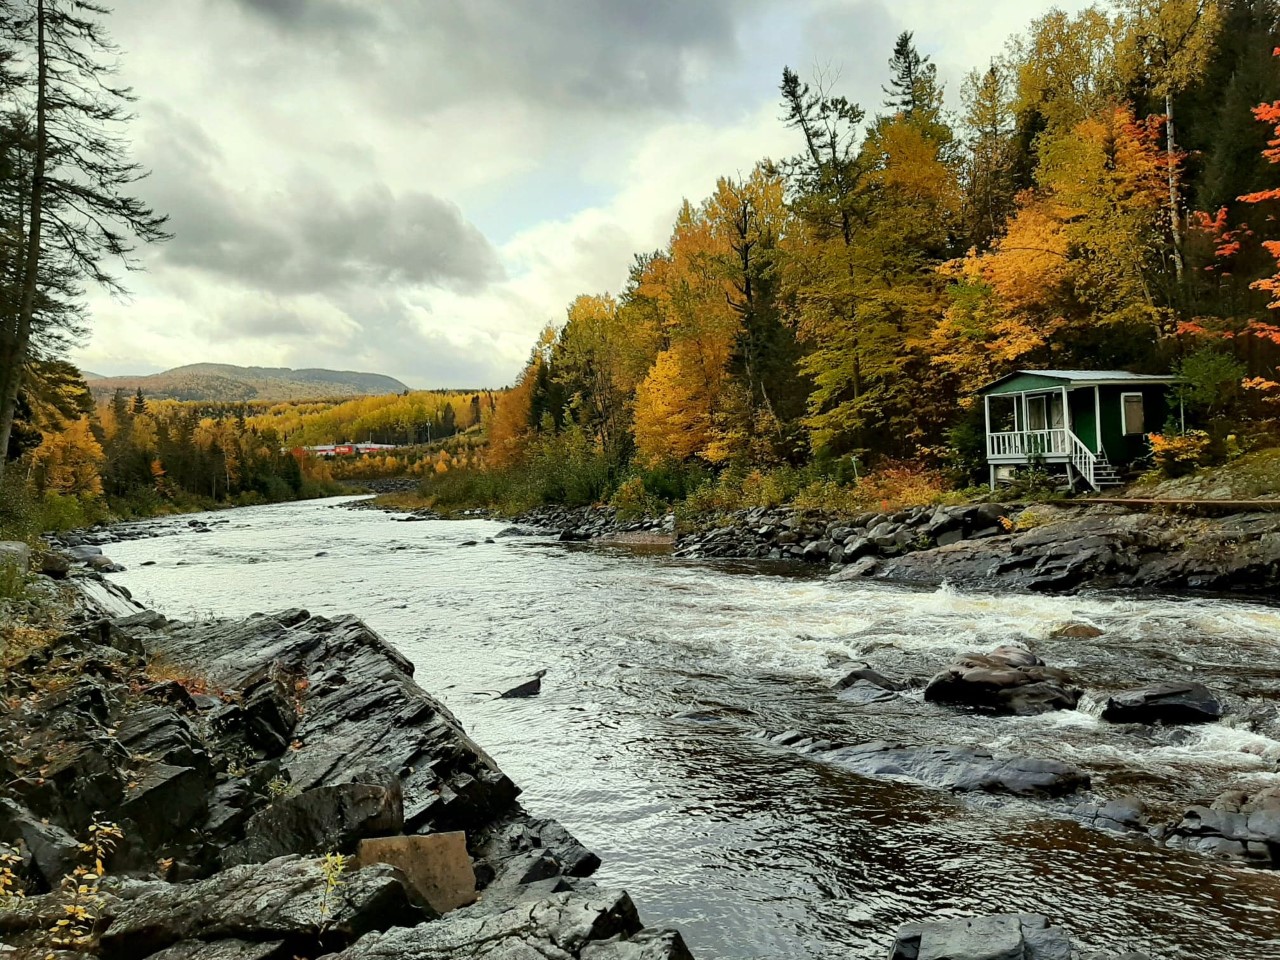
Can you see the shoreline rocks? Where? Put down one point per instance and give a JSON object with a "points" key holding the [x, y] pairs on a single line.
{"points": [[1041, 548], [238, 758]]}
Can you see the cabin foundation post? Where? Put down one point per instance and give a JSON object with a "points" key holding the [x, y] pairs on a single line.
{"points": [[992, 467]]}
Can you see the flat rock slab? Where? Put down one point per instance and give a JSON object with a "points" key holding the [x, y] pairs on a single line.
{"points": [[1023, 936], [284, 900], [960, 769], [600, 925], [436, 867], [224, 950]]}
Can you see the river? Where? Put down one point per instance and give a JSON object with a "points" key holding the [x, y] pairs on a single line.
{"points": [[660, 673]]}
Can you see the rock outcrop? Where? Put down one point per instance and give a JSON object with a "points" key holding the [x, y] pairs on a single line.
{"points": [[233, 754]]}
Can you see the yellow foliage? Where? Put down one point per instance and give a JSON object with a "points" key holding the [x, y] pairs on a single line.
{"points": [[69, 460]]}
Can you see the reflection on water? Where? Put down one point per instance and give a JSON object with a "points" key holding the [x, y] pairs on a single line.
{"points": [[659, 670]]}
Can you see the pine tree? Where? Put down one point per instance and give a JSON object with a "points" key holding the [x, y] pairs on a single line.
{"points": [[913, 77], [75, 216]]}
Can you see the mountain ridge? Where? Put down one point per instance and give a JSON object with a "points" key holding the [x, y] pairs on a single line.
{"points": [[225, 382]]}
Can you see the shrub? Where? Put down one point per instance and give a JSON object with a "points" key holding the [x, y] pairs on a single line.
{"points": [[1178, 454]]}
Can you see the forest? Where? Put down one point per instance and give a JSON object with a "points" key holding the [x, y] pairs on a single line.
{"points": [[1106, 198]]}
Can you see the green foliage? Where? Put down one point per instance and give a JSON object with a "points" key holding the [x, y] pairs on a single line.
{"points": [[1212, 381]]}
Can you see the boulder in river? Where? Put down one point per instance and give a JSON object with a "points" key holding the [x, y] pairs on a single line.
{"points": [[1164, 703], [1008, 680], [525, 688], [1009, 936], [961, 769], [1000, 937], [1238, 826]]}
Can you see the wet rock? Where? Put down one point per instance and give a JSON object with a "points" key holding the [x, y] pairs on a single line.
{"points": [[1077, 630], [103, 564], [359, 709], [866, 673], [322, 819], [162, 801], [1123, 815], [530, 849], [53, 853], [526, 688], [1013, 936], [224, 950], [1009, 680], [280, 900], [960, 769], [1238, 825], [562, 925], [1164, 703], [645, 945]]}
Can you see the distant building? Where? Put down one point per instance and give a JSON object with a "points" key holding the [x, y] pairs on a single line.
{"points": [[347, 449]]}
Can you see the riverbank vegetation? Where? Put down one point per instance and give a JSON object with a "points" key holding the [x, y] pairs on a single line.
{"points": [[74, 462], [815, 328]]}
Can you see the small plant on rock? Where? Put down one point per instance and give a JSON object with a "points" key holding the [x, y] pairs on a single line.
{"points": [[10, 884], [84, 900], [277, 788], [332, 867]]}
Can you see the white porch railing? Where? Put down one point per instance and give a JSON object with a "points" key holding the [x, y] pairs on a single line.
{"points": [[1029, 443], [1083, 459]]}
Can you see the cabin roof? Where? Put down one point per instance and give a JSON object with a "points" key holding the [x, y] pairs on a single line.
{"points": [[1083, 378]]}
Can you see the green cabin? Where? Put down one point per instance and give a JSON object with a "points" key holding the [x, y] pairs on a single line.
{"points": [[1091, 423]]}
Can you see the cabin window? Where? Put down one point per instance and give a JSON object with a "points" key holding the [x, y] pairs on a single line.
{"points": [[1134, 419]]}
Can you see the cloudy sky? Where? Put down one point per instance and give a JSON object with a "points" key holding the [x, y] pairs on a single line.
{"points": [[415, 187]]}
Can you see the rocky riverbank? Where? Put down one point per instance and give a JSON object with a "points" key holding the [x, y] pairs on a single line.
{"points": [[274, 787], [1046, 548]]}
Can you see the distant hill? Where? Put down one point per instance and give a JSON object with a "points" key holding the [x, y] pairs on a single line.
{"points": [[223, 382]]}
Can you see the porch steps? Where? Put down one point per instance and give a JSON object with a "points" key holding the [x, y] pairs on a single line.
{"points": [[1104, 473]]}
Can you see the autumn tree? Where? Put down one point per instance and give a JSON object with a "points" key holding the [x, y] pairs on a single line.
{"points": [[75, 216], [1166, 47]]}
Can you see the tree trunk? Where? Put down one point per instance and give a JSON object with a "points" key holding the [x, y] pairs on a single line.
{"points": [[15, 353], [1175, 218]]}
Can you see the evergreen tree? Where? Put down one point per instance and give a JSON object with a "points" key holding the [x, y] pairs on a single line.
{"points": [[72, 176]]}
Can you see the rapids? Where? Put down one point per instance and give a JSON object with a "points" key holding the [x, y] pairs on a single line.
{"points": [[659, 672]]}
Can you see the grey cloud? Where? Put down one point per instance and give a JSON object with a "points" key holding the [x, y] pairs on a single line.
{"points": [[308, 238], [592, 54]]}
